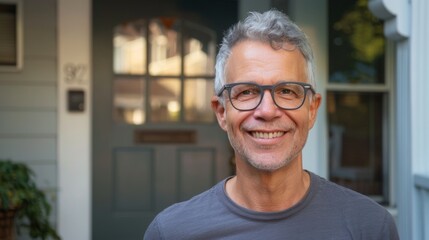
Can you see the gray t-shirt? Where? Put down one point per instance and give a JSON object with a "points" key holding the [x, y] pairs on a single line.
{"points": [[328, 211]]}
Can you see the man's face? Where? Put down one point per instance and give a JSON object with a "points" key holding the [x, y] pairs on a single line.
{"points": [[268, 138]]}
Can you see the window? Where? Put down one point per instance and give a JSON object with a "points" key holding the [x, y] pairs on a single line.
{"points": [[10, 35], [358, 100], [164, 71]]}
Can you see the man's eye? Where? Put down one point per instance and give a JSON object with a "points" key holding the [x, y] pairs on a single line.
{"points": [[247, 92], [286, 91]]}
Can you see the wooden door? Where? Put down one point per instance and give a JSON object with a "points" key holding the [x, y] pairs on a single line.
{"points": [[147, 154]]}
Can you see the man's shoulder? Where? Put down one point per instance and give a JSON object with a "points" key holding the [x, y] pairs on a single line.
{"points": [[342, 196], [357, 211], [200, 203], [188, 217]]}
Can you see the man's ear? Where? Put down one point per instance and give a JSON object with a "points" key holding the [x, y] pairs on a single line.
{"points": [[314, 106], [220, 112]]}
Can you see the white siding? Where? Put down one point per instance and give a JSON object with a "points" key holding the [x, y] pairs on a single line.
{"points": [[419, 86], [74, 129], [28, 97], [28, 100]]}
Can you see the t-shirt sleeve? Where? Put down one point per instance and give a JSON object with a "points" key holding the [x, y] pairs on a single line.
{"points": [[153, 232], [389, 230]]}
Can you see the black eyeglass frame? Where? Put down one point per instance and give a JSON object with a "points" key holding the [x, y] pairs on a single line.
{"points": [[228, 87]]}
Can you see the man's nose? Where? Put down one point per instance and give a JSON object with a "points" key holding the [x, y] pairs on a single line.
{"points": [[267, 109]]}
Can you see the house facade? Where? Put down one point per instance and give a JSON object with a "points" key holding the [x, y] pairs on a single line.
{"points": [[113, 143]]}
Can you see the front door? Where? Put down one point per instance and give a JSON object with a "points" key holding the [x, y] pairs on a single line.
{"points": [[155, 139]]}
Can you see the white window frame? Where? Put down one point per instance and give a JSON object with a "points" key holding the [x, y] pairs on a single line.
{"points": [[387, 88]]}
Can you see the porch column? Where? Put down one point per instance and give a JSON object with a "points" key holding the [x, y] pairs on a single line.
{"points": [[419, 76], [74, 120]]}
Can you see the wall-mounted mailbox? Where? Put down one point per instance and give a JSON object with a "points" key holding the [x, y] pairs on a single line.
{"points": [[76, 100]]}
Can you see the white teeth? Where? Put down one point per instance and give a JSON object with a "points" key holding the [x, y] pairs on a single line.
{"points": [[266, 135]]}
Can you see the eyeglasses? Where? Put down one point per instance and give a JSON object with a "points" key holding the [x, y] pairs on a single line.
{"points": [[246, 96]]}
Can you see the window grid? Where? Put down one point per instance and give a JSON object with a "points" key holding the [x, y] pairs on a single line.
{"points": [[185, 29]]}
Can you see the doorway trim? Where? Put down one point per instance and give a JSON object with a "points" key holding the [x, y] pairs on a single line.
{"points": [[74, 127]]}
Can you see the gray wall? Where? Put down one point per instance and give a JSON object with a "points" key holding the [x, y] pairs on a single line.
{"points": [[28, 99]]}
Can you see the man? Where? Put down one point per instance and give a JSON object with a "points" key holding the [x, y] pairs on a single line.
{"points": [[266, 102]]}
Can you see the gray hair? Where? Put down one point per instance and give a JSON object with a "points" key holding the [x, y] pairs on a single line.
{"points": [[271, 27]]}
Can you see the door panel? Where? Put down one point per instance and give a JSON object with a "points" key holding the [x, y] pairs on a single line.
{"points": [[133, 174], [196, 171]]}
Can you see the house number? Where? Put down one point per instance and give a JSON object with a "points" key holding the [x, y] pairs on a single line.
{"points": [[75, 73]]}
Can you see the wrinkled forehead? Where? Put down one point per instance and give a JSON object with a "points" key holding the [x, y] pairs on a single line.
{"points": [[255, 60]]}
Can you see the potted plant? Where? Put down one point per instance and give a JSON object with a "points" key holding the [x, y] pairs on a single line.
{"points": [[23, 202]]}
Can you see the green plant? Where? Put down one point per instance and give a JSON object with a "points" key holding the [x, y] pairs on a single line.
{"points": [[18, 192]]}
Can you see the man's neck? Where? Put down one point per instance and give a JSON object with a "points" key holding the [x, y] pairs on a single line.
{"points": [[269, 191]]}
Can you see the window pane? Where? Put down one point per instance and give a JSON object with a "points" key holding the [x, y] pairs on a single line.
{"points": [[129, 55], [164, 43], [356, 43], [165, 100], [8, 40], [200, 48], [197, 97], [153, 49], [129, 101], [355, 141]]}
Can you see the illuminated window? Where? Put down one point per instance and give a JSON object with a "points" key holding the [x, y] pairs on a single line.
{"points": [[164, 71]]}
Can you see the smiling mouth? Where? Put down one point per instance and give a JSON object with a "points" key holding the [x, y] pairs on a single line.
{"points": [[267, 135]]}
